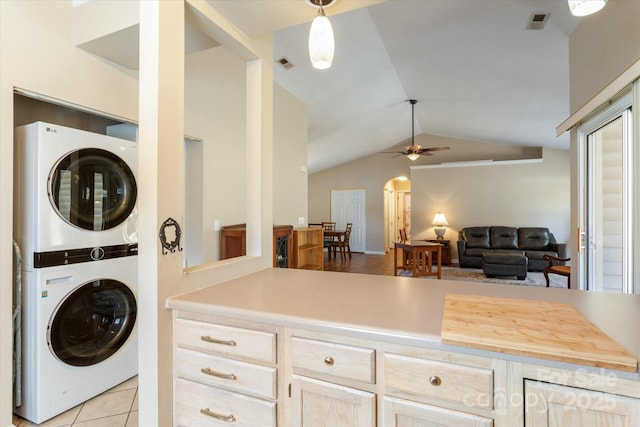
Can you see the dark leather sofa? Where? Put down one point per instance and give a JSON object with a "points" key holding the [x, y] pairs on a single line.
{"points": [[532, 242]]}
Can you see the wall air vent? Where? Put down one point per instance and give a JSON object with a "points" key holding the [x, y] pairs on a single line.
{"points": [[284, 63], [537, 21]]}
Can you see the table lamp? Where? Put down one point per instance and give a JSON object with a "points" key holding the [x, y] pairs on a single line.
{"points": [[440, 221]]}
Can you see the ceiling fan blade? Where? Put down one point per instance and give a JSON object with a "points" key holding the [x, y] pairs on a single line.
{"points": [[425, 150]]}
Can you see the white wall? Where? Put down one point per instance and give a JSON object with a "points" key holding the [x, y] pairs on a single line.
{"points": [[601, 48], [216, 114], [289, 155]]}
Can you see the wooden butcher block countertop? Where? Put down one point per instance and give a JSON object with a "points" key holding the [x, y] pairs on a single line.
{"points": [[539, 329]]}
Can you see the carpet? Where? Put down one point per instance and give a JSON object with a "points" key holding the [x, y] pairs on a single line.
{"points": [[534, 278]]}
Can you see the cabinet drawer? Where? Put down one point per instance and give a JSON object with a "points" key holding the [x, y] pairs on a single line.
{"points": [[238, 342], [259, 381], [197, 404], [338, 360], [441, 380]]}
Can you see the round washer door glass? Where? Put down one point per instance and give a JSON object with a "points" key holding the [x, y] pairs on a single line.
{"points": [[92, 322], [92, 189]]}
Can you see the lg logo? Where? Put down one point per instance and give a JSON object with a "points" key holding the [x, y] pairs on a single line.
{"points": [[52, 130]]}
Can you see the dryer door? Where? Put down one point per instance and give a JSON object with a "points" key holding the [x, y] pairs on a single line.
{"points": [[92, 189], [92, 322]]}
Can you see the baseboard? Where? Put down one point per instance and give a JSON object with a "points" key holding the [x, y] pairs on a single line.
{"points": [[374, 253]]}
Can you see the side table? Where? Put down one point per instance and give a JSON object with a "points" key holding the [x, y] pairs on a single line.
{"points": [[446, 251]]}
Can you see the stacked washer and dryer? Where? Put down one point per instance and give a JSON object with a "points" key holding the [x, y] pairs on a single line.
{"points": [[75, 224]]}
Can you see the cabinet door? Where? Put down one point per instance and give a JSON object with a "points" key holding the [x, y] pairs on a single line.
{"points": [[321, 404], [555, 405], [403, 413]]}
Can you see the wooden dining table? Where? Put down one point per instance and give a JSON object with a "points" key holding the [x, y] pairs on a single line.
{"points": [[421, 258]]}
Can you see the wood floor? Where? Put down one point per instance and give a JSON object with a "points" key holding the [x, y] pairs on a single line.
{"points": [[360, 263]]}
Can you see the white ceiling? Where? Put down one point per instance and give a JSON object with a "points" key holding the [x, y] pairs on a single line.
{"points": [[473, 66]]}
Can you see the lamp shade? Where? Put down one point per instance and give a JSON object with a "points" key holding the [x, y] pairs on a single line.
{"points": [[585, 7], [439, 220], [321, 43], [413, 156]]}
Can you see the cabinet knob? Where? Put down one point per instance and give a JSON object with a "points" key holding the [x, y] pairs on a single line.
{"points": [[328, 361], [434, 380]]}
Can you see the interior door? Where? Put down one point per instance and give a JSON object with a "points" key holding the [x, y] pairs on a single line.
{"points": [[349, 206]]}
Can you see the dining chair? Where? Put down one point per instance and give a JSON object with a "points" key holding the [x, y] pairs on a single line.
{"points": [[328, 240], [342, 244], [554, 268], [403, 234]]}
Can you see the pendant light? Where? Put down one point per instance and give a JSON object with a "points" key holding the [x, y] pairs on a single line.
{"points": [[585, 7], [321, 43]]}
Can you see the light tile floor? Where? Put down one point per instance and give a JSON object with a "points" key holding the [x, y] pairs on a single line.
{"points": [[117, 407]]}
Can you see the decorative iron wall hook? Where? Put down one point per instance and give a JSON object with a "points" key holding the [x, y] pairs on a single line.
{"points": [[172, 228]]}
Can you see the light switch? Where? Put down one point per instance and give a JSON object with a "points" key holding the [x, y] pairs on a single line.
{"points": [[300, 220], [216, 225]]}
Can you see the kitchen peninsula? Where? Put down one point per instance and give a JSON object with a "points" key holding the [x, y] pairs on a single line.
{"points": [[285, 347]]}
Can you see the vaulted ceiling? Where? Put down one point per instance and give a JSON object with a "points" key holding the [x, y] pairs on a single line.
{"points": [[475, 68]]}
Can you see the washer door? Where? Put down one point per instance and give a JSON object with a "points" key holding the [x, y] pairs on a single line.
{"points": [[92, 189], [92, 322]]}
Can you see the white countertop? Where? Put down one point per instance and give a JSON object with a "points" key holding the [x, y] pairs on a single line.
{"points": [[405, 310]]}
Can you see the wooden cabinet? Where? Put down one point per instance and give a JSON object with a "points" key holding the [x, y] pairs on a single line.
{"points": [[308, 249], [282, 246], [553, 405], [316, 398], [233, 243], [259, 365], [445, 253], [319, 404], [405, 413], [224, 374]]}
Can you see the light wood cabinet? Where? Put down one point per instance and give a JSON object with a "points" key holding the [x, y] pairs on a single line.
{"points": [[320, 404], [405, 413], [224, 374], [308, 249], [553, 405]]}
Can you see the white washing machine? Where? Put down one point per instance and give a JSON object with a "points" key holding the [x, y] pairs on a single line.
{"points": [[75, 223], [75, 190], [79, 334]]}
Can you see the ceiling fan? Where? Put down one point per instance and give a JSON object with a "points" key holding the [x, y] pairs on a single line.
{"points": [[413, 151]]}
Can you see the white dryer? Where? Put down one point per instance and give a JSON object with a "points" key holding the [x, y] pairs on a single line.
{"points": [[75, 190], [79, 333]]}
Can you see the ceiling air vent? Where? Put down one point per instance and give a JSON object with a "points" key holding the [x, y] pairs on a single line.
{"points": [[537, 21], [284, 63]]}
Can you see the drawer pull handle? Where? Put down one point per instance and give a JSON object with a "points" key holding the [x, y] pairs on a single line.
{"points": [[222, 375], [228, 418], [328, 361], [435, 381], [207, 338]]}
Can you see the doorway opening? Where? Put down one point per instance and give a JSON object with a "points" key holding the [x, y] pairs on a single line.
{"points": [[397, 210]]}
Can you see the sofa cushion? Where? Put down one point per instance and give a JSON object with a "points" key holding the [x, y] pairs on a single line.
{"points": [[476, 237], [504, 238], [533, 238]]}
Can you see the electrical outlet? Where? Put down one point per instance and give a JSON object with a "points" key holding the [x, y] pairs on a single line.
{"points": [[300, 220]]}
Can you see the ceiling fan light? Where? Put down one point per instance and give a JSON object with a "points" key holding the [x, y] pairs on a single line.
{"points": [[413, 156], [321, 42], [585, 7]]}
